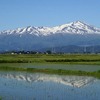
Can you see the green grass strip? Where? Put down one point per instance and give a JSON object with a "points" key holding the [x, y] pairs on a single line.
{"points": [[90, 59]]}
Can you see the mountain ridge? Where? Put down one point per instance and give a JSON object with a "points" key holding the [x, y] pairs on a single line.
{"points": [[76, 27], [36, 38]]}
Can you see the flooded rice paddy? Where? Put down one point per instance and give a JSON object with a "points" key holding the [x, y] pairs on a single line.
{"points": [[39, 86], [88, 68]]}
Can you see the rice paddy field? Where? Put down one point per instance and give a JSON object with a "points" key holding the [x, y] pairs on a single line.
{"points": [[75, 64], [90, 59], [49, 76]]}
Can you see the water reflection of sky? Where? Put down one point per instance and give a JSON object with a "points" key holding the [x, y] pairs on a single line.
{"points": [[64, 66], [47, 87]]}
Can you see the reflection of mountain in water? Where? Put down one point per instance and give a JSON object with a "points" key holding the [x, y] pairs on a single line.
{"points": [[76, 81]]}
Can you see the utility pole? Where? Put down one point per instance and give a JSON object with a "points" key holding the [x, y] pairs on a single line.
{"points": [[85, 49]]}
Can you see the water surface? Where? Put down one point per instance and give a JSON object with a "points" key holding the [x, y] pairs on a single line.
{"points": [[88, 68], [38, 86]]}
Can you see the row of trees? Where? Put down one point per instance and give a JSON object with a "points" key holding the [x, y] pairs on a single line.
{"points": [[46, 52], [27, 52]]}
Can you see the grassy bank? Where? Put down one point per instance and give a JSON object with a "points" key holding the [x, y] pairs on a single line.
{"points": [[91, 59], [52, 71]]}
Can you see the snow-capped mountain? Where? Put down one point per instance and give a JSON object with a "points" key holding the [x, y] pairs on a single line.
{"points": [[77, 27], [43, 38]]}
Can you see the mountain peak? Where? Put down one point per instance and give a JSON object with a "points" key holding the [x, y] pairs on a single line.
{"points": [[78, 21], [77, 27]]}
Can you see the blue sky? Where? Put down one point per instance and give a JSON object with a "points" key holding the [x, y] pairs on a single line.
{"points": [[22, 13]]}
